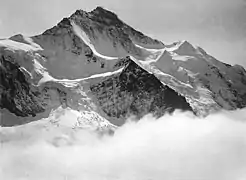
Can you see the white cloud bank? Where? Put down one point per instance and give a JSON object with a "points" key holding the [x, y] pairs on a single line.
{"points": [[178, 147]]}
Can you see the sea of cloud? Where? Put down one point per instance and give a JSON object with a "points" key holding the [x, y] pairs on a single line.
{"points": [[174, 147]]}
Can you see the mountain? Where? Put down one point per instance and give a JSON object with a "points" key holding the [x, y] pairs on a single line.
{"points": [[101, 71]]}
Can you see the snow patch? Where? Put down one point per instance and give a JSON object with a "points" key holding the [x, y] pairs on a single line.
{"points": [[82, 35], [104, 74], [70, 118], [32, 43], [13, 45], [152, 55], [75, 82]]}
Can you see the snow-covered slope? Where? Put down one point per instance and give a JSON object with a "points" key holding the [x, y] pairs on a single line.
{"points": [[201, 75], [93, 65]]}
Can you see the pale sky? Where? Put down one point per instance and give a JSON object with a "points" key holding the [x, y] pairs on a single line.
{"points": [[218, 26]]}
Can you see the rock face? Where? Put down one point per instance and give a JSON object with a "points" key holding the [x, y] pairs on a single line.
{"points": [[103, 71], [16, 93], [129, 91], [135, 91]]}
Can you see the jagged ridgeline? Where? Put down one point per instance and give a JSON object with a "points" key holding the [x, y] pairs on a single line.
{"points": [[103, 70]]}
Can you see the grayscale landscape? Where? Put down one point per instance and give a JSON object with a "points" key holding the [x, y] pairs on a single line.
{"points": [[94, 97]]}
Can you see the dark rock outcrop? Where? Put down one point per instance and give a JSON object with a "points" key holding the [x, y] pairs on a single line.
{"points": [[136, 92]]}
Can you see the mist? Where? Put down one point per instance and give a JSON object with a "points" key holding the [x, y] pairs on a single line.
{"points": [[174, 147]]}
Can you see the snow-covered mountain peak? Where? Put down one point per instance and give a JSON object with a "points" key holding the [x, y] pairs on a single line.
{"points": [[95, 64], [182, 48], [106, 16]]}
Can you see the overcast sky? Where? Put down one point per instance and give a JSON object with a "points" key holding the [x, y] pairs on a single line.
{"points": [[219, 26]]}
